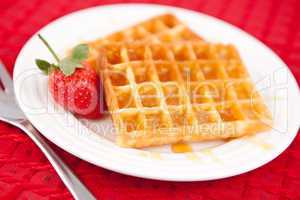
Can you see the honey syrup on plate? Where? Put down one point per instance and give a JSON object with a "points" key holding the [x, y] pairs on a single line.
{"points": [[181, 148]]}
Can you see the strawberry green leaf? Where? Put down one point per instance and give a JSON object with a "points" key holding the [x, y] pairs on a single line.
{"points": [[68, 66], [80, 52], [43, 65]]}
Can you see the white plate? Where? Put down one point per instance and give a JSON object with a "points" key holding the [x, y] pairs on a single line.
{"points": [[272, 76]]}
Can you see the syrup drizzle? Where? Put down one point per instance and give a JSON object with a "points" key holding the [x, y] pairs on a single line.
{"points": [[181, 148]]}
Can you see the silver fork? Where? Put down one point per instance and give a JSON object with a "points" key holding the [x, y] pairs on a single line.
{"points": [[11, 113]]}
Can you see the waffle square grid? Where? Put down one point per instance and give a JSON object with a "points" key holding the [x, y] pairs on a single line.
{"points": [[160, 93], [165, 84]]}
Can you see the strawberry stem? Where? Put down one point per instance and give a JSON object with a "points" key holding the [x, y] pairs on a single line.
{"points": [[49, 48]]}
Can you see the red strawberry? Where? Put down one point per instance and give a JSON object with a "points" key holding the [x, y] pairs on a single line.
{"points": [[78, 93], [72, 82]]}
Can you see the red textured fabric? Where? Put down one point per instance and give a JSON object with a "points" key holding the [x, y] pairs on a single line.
{"points": [[26, 174]]}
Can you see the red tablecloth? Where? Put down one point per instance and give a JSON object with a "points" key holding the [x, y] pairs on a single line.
{"points": [[26, 174]]}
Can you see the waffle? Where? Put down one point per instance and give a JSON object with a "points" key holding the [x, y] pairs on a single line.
{"points": [[162, 28], [166, 28], [162, 93]]}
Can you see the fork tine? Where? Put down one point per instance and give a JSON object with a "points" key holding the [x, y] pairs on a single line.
{"points": [[1, 86], [5, 78]]}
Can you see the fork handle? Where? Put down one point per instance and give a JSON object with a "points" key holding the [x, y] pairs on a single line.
{"points": [[77, 189]]}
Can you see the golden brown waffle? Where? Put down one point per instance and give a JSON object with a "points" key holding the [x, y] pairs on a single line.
{"points": [[162, 28], [165, 28], [186, 91]]}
